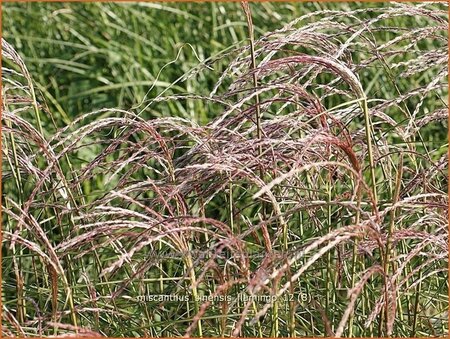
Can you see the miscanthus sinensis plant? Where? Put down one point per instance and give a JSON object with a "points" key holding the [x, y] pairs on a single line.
{"points": [[313, 203]]}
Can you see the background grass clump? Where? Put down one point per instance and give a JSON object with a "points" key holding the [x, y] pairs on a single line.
{"points": [[225, 169]]}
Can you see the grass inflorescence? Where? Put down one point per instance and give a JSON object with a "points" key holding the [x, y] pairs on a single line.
{"points": [[302, 193]]}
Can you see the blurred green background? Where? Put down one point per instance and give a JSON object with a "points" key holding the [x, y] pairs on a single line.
{"points": [[86, 56]]}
